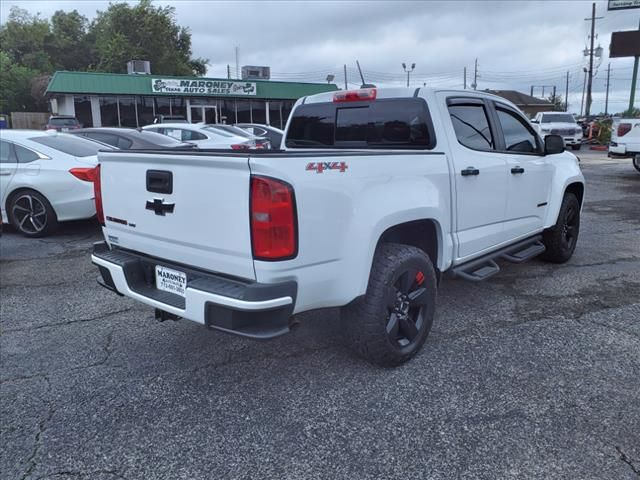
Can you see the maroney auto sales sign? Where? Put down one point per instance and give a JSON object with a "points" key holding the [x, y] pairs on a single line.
{"points": [[202, 87]]}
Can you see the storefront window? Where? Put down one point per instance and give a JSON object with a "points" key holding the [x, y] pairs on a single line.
{"points": [[163, 105], [128, 112], [243, 109], [109, 111], [179, 107], [227, 111], [258, 111], [145, 110], [83, 111], [275, 114]]}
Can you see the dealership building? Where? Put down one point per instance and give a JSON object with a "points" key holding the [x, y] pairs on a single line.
{"points": [[134, 100]]}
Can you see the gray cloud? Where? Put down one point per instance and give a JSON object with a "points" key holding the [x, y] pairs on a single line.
{"points": [[517, 43]]}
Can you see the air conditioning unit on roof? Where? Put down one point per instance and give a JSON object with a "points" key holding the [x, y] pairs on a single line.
{"points": [[139, 67], [251, 72]]}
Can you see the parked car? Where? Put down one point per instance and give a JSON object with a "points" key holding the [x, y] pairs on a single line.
{"points": [[272, 133], [559, 123], [130, 138], [45, 179], [258, 142], [364, 211], [625, 139], [62, 123], [169, 119], [202, 135]]}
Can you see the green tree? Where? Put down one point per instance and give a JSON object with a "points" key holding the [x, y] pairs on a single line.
{"points": [[143, 32], [24, 37], [69, 46], [15, 85], [558, 103]]}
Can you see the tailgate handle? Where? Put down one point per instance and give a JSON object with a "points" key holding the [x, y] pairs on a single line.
{"points": [[159, 181]]}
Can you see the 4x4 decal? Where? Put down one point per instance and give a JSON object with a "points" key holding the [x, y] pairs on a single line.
{"points": [[320, 167]]}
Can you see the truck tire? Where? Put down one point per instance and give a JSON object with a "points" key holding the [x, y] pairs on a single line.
{"points": [[391, 323], [560, 240], [636, 161], [31, 214]]}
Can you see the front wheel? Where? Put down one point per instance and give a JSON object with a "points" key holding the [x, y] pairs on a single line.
{"points": [[31, 214], [560, 240], [391, 323], [636, 161]]}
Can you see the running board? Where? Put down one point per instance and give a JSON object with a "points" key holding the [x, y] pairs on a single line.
{"points": [[486, 266]]}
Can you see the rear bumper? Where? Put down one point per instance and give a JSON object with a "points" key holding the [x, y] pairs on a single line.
{"points": [[617, 148], [248, 309]]}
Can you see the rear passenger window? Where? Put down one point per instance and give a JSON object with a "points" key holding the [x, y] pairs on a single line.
{"points": [[397, 123], [25, 155], [124, 143], [5, 152], [471, 125], [518, 137]]}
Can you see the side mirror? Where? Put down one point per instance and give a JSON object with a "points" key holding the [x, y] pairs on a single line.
{"points": [[533, 120], [553, 144]]}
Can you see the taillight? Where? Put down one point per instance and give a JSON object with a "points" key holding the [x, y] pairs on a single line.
{"points": [[273, 219], [97, 193], [84, 174], [240, 146], [623, 129], [355, 95]]}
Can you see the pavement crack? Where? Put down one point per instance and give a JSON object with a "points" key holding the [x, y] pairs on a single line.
{"points": [[70, 322], [628, 461], [42, 427]]}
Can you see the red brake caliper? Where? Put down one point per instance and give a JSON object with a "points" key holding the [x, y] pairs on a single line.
{"points": [[419, 278]]}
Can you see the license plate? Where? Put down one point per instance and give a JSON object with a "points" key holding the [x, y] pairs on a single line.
{"points": [[171, 280], [64, 129]]}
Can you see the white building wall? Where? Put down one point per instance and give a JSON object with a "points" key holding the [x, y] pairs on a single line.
{"points": [[95, 112]]}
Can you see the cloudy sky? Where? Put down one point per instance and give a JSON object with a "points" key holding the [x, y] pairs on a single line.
{"points": [[517, 43]]}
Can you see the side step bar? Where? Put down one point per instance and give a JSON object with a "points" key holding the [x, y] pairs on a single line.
{"points": [[486, 266]]}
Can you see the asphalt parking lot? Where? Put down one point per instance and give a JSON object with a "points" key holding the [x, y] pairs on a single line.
{"points": [[532, 374]]}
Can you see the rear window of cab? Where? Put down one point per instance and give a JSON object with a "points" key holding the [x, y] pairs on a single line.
{"points": [[393, 123]]}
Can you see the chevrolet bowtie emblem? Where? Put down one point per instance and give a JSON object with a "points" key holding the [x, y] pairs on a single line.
{"points": [[159, 207]]}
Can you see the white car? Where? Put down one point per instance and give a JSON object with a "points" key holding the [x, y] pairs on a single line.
{"points": [[363, 210], [202, 135], [559, 123], [45, 178]]}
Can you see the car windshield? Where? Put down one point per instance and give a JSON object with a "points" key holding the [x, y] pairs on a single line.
{"points": [[76, 146], [558, 118], [63, 122]]}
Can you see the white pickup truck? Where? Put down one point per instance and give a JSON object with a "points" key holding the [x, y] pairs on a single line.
{"points": [[625, 139], [375, 194], [559, 123]]}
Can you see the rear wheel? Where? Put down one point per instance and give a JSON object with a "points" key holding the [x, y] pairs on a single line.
{"points": [[636, 161], [391, 323], [560, 240], [31, 214]]}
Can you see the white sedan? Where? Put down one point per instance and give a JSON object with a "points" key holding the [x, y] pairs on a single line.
{"points": [[45, 178], [202, 135]]}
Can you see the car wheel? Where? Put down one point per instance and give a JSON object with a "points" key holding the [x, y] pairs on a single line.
{"points": [[391, 323], [31, 214], [560, 240], [575, 147], [636, 161]]}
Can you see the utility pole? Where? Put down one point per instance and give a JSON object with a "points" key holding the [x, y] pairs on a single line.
{"points": [[465, 78], [566, 94], [634, 77], [346, 86], [404, 67], [475, 75], [606, 98], [237, 62], [584, 86], [531, 92], [554, 98], [593, 19], [228, 71]]}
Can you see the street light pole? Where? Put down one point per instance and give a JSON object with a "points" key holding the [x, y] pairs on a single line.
{"points": [[404, 67]]}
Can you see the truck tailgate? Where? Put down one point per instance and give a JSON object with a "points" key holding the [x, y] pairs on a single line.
{"points": [[191, 209]]}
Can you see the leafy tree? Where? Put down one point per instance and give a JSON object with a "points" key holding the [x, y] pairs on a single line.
{"points": [[24, 37], [15, 85], [143, 32], [558, 104], [69, 46]]}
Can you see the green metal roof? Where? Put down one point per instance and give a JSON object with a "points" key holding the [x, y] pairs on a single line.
{"points": [[125, 84]]}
